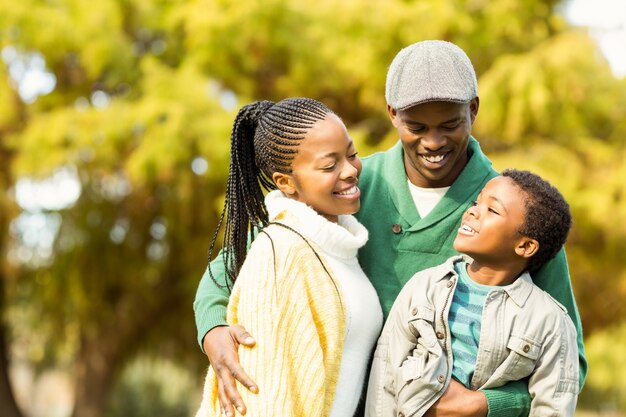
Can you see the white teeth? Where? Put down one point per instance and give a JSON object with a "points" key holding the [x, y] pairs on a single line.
{"points": [[468, 229], [352, 190], [433, 158]]}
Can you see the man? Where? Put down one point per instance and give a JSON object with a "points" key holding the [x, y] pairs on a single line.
{"points": [[413, 197]]}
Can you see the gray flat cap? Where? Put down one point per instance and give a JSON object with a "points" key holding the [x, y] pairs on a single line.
{"points": [[430, 71]]}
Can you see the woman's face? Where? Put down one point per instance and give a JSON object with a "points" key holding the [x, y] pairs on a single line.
{"points": [[325, 170]]}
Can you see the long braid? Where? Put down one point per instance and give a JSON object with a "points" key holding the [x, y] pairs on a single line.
{"points": [[264, 140]]}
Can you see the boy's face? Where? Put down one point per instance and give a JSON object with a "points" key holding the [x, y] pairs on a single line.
{"points": [[489, 231]]}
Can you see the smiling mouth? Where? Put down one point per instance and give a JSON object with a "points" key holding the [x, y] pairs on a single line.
{"points": [[434, 159], [350, 191], [465, 228]]}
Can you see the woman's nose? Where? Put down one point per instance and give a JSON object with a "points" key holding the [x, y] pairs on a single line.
{"points": [[349, 171]]}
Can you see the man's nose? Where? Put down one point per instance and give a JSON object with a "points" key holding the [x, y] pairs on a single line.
{"points": [[434, 140]]}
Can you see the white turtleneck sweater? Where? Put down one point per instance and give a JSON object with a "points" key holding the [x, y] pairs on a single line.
{"points": [[340, 243]]}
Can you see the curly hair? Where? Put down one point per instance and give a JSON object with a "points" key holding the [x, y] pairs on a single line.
{"points": [[264, 140], [548, 218]]}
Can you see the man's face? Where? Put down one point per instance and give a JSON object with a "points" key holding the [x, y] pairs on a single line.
{"points": [[434, 137]]}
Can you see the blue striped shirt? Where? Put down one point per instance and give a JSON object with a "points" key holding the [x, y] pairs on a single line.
{"points": [[464, 321]]}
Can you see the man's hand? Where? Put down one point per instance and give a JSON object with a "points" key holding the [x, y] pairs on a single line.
{"points": [[221, 344], [459, 401]]}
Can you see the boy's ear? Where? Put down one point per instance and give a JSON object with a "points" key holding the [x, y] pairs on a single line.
{"points": [[284, 182], [526, 247]]}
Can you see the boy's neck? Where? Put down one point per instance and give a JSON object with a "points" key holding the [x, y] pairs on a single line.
{"points": [[500, 275]]}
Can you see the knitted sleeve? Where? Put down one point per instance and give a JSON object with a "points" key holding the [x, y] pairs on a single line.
{"points": [[285, 299]]}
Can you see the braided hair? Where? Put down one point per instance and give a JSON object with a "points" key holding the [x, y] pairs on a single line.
{"points": [[548, 218], [264, 140]]}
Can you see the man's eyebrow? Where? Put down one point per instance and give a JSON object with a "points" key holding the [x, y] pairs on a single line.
{"points": [[454, 119], [451, 120]]}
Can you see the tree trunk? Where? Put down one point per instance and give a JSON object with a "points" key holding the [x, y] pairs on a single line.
{"points": [[95, 367], [102, 355], [7, 400]]}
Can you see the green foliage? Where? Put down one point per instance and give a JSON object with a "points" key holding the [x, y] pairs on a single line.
{"points": [[150, 387], [8, 116], [545, 94], [604, 389]]}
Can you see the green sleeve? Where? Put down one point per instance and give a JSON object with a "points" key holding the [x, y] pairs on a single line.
{"points": [[513, 398], [211, 300], [510, 400]]}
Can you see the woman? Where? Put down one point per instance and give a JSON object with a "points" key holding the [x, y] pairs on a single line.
{"points": [[299, 288]]}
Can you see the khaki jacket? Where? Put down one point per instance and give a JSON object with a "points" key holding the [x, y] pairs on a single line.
{"points": [[525, 333]]}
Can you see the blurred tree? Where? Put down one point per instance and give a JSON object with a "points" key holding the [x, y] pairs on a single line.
{"points": [[338, 52], [9, 121], [144, 95], [146, 135], [557, 110], [123, 263]]}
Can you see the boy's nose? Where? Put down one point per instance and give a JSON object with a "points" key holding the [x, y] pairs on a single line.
{"points": [[472, 211]]}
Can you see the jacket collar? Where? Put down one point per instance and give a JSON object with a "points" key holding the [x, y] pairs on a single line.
{"points": [[518, 291], [468, 184]]}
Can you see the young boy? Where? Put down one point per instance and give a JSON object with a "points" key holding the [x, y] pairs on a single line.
{"points": [[480, 319]]}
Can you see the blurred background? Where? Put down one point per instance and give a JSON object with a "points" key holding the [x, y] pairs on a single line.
{"points": [[114, 137]]}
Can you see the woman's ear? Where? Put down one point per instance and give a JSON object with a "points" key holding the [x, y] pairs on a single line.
{"points": [[526, 247], [285, 183]]}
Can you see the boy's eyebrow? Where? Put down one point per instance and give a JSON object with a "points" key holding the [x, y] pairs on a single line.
{"points": [[500, 203]]}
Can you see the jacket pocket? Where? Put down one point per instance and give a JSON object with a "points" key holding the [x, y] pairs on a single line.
{"points": [[522, 359], [422, 323], [412, 368], [422, 374]]}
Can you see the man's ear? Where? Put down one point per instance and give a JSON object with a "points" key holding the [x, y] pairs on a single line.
{"points": [[393, 115], [285, 183], [526, 247], [474, 104]]}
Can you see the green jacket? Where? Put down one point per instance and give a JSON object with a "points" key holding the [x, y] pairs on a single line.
{"points": [[401, 244]]}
